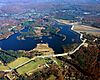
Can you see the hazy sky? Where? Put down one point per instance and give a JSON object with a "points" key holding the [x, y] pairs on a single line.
{"points": [[34, 1], [44, 0]]}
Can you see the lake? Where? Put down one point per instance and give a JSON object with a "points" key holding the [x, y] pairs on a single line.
{"points": [[12, 43]]}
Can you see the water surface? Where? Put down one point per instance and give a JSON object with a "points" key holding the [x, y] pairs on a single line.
{"points": [[12, 43]]}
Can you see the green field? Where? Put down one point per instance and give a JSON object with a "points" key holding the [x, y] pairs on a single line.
{"points": [[18, 61], [30, 66], [2, 67]]}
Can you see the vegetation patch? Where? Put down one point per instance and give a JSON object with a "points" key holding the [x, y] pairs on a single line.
{"points": [[31, 66], [18, 61], [2, 67]]}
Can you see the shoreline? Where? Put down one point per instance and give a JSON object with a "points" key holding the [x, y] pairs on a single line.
{"points": [[72, 28], [6, 37], [81, 28], [81, 35]]}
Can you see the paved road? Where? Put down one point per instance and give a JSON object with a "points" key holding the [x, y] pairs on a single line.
{"points": [[49, 56], [64, 54], [53, 55]]}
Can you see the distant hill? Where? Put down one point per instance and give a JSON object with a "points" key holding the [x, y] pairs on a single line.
{"points": [[20, 5]]}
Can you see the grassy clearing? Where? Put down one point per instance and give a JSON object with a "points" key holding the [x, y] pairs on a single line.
{"points": [[18, 61], [2, 67], [30, 66]]}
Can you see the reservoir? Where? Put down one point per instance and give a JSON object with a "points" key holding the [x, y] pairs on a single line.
{"points": [[55, 42]]}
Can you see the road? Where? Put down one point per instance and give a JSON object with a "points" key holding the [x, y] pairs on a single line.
{"points": [[48, 56], [53, 55], [64, 54]]}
